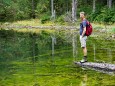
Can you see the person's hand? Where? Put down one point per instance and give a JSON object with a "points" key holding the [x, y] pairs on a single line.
{"points": [[81, 37]]}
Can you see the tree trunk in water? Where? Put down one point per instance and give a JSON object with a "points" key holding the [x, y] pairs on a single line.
{"points": [[74, 10], [94, 5]]}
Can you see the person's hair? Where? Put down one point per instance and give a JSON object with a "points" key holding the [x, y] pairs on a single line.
{"points": [[82, 13]]}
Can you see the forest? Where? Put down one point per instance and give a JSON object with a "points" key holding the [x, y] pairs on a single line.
{"points": [[60, 10]]}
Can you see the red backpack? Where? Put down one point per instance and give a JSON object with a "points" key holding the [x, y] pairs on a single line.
{"points": [[89, 29]]}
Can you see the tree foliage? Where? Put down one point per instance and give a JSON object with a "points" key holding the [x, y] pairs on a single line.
{"points": [[26, 9]]}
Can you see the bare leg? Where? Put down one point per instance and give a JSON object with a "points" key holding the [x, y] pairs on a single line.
{"points": [[85, 51], [85, 54]]}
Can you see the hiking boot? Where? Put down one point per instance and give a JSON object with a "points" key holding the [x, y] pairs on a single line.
{"points": [[83, 61]]}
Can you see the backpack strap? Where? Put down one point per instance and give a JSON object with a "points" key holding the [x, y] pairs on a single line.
{"points": [[86, 22]]}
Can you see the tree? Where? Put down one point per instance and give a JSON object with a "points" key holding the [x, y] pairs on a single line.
{"points": [[52, 7], [52, 10], [33, 9], [74, 10], [94, 5], [109, 3]]}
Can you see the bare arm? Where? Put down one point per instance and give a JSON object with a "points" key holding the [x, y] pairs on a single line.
{"points": [[84, 30]]}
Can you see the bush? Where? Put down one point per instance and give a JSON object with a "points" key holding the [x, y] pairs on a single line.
{"points": [[21, 15], [60, 19], [104, 15], [45, 18]]}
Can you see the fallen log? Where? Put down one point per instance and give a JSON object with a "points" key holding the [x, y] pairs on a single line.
{"points": [[42, 27], [104, 67]]}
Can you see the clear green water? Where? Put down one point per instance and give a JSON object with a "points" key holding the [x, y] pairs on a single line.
{"points": [[26, 60]]}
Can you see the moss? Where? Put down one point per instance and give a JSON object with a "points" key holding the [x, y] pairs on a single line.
{"points": [[20, 65]]}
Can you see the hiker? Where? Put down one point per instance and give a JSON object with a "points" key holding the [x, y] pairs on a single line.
{"points": [[83, 37]]}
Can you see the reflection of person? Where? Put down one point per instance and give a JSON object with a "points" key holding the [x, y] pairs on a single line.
{"points": [[84, 81], [83, 37]]}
